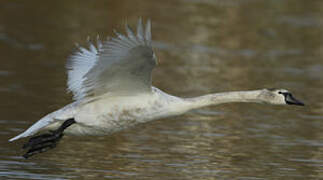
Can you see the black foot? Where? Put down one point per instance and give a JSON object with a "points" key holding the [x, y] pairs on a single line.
{"points": [[44, 142]]}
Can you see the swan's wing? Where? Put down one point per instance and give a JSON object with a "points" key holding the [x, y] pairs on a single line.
{"points": [[121, 65]]}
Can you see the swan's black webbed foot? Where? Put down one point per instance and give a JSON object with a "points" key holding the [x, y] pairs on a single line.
{"points": [[44, 142]]}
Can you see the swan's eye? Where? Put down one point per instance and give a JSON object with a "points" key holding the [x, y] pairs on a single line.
{"points": [[279, 92]]}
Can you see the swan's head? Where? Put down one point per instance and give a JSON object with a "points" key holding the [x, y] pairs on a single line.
{"points": [[279, 96]]}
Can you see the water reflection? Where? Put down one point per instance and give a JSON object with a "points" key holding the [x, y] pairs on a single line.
{"points": [[204, 46]]}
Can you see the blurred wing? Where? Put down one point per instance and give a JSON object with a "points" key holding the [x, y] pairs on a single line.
{"points": [[121, 65]]}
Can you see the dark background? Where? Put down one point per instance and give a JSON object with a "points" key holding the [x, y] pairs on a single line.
{"points": [[204, 46]]}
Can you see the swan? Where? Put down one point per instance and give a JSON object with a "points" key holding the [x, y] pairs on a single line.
{"points": [[112, 90]]}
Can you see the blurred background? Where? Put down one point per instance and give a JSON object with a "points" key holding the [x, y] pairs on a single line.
{"points": [[204, 46]]}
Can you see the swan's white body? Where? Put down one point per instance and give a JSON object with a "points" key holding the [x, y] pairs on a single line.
{"points": [[112, 89], [111, 114]]}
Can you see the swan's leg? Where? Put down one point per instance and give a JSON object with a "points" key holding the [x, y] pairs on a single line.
{"points": [[44, 142]]}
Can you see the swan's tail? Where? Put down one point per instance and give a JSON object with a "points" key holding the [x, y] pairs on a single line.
{"points": [[59, 115], [45, 121]]}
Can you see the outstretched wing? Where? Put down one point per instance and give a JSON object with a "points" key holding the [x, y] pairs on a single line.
{"points": [[120, 66]]}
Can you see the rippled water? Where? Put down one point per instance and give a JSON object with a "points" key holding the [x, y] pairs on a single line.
{"points": [[204, 46]]}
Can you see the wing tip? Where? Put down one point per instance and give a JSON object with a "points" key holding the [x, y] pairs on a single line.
{"points": [[143, 33], [148, 31], [140, 30]]}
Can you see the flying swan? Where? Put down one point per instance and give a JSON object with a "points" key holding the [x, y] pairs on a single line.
{"points": [[111, 84]]}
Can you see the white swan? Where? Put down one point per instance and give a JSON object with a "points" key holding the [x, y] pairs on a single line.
{"points": [[111, 83]]}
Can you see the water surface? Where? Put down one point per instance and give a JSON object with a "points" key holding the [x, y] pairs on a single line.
{"points": [[204, 46]]}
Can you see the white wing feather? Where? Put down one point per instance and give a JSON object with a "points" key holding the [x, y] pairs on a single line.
{"points": [[119, 65], [78, 65]]}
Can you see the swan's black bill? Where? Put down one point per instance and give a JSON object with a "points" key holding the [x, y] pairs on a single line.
{"points": [[290, 100]]}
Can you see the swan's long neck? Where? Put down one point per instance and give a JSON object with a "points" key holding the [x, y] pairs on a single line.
{"points": [[225, 97]]}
